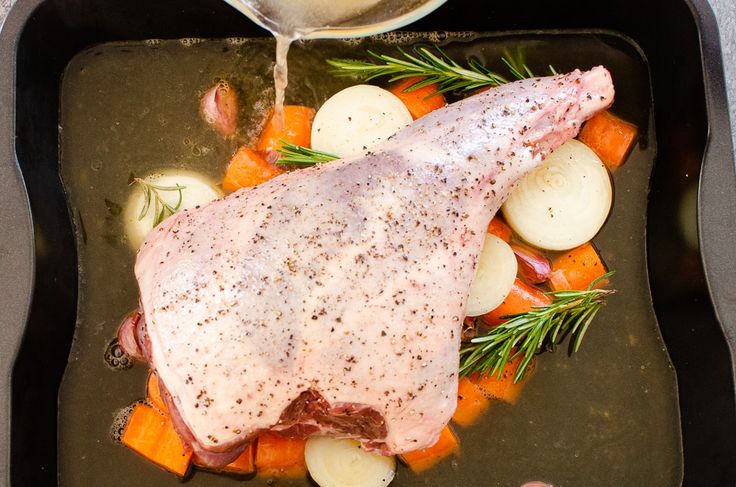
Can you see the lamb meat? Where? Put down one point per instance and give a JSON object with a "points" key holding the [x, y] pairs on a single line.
{"points": [[331, 300]]}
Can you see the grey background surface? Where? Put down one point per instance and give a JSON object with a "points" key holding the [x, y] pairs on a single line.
{"points": [[726, 14], [725, 11]]}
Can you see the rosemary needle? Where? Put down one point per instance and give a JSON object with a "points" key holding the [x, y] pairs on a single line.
{"points": [[152, 200], [526, 334], [296, 155]]}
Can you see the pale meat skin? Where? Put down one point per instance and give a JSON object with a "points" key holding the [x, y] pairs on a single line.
{"points": [[348, 279]]}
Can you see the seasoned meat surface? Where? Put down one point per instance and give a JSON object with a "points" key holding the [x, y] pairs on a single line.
{"points": [[331, 299]]}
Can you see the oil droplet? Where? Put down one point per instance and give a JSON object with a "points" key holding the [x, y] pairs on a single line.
{"points": [[119, 421], [190, 41], [236, 41], [352, 41], [115, 357]]}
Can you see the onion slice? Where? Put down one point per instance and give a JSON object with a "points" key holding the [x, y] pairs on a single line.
{"points": [[494, 277], [356, 119], [334, 462], [563, 203], [196, 190]]}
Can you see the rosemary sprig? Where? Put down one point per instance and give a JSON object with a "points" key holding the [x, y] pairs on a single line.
{"points": [[296, 155], [518, 68], [526, 334], [154, 201], [434, 67]]}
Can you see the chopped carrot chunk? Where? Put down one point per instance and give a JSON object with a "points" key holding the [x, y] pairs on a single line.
{"points": [[503, 388], [522, 298], [296, 127], [420, 460], [248, 168], [153, 392], [245, 464], [151, 434], [577, 269], [279, 456], [499, 228], [420, 101], [609, 137], [471, 403]]}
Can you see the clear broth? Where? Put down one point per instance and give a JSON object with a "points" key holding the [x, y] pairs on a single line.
{"points": [[605, 416]]}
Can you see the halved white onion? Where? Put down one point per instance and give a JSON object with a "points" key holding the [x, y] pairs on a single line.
{"points": [[334, 462], [197, 190], [564, 202], [356, 119], [494, 277]]}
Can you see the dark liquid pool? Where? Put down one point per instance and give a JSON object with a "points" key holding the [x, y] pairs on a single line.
{"points": [[605, 416]]}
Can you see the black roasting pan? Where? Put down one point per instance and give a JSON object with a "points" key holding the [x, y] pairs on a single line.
{"points": [[693, 291]]}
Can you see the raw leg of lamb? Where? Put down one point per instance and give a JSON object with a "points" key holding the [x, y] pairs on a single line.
{"points": [[330, 300]]}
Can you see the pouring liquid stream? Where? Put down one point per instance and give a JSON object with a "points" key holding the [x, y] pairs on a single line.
{"points": [[290, 20], [280, 76]]}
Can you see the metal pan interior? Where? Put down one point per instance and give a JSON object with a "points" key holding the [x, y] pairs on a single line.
{"points": [[608, 415]]}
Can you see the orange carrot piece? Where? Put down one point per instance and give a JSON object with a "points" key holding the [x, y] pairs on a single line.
{"points": [[153, 392], [245, 464], [248, 168], [503, 388], [471, 403], [296, 128], [421, 101], [151, 434], [278, 456], [576, 269], [522, 298], [609, 137], [420, 460], [499, 228]]}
